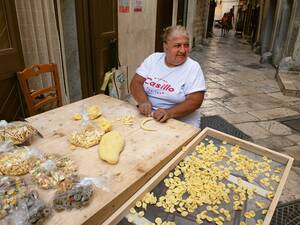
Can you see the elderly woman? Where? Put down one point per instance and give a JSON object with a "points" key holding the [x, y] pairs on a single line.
{"points": [[170, 84]]}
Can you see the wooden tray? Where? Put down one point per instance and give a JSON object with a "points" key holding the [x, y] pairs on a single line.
{"points": [[247, 148]]}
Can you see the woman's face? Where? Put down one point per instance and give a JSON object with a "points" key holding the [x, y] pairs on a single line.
{"points": [[177, 50]]}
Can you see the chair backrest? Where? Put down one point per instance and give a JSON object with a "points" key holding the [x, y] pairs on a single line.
{"points": [[37, 100]]}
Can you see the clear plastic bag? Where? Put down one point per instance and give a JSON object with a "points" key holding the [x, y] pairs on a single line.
{"points": [[93, 112], [17, 132], [16, 161], [12, 189], [78, 194], [53, 170], [31, 210], [6, 146], [88, 135], [3, 124]]}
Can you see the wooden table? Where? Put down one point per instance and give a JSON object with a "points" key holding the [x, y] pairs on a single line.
{"points": [[145, 153]]}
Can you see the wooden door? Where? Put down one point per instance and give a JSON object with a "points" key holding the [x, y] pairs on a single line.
{"points": [[97, 35], [11, 59], [163, 20]]}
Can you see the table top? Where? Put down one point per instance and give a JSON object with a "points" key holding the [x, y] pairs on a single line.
{"points": [[144, 154]]}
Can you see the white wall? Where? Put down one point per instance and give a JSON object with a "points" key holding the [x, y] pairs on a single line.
{"points": [[224, 7], [136, 33]]}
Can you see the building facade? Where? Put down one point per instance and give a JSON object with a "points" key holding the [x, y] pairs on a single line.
{"points": [[272, 26], [87, 31]]}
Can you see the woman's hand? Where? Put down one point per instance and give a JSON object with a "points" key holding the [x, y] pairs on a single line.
{"points": [[161, 115], [139, 94], [145, 108]]}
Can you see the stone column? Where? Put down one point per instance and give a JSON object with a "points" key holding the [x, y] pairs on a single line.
{"points": [[175, 10], [267, 24], [296, 52], [277, 18], [71, 49], [200, 21], [291, 55], [283, 20], [262, 6]]}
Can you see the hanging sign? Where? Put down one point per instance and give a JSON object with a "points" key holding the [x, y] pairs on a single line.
{"points": [[137, 5], [123, 6]]}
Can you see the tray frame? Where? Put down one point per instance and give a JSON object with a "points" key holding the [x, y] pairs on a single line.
{"points": [[246, 145]]}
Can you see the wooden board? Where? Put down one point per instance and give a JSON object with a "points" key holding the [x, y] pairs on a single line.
{"points": [[145, 153], [208, 133]]}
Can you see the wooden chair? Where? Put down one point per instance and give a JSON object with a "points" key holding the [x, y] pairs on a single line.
{"points": [[38, 100]]}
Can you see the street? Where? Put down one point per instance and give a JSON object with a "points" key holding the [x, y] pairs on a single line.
{"points": [[246, 94]]}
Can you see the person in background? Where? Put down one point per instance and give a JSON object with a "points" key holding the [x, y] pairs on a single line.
{"points": [[170, 84], [230, 16], [224, 22]]}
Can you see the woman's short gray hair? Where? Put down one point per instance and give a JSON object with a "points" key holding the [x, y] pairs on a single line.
{"points": [[174, 31]]}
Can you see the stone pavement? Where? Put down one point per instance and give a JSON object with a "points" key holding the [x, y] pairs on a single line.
{"points": [[247, 95]]}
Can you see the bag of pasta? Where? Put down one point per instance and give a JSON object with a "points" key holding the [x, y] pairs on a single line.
{"points": [[31, 210], [53, 170], [17, 132], [77, 193], [12, 189], [88, 135], [16, 161]]}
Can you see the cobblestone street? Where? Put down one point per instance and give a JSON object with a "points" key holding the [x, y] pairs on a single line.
{"points": [[246, 94]]}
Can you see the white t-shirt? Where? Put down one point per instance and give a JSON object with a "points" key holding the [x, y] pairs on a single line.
{"points": [[168, 86]]}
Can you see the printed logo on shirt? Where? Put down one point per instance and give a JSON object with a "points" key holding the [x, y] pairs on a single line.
{"points": [[158, 85]]}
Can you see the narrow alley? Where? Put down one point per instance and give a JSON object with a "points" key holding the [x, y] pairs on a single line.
{"points": [[246, 94]]}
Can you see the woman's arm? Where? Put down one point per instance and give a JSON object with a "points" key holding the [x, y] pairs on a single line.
{"points": [[192, 102], [139, 94]]}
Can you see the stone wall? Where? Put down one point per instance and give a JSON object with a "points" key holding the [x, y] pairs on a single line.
{"points": [[296, 31], [190, 19], [71, 49], [200, 21], [291, 52], [280, 33]]}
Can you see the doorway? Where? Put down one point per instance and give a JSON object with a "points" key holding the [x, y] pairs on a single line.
{"points": [[97, 41], [182, 12], [11, 57], [163, 20]]}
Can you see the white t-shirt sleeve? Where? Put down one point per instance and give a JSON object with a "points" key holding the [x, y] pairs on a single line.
{"points": [[145, 67], [195, 81]]}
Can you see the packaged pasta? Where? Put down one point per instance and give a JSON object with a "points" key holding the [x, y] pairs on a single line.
{"points": [[17, 132], [92, 112], [88, 135], [77, 194], [31, 210], [12, 189], [53, 170], [16, 161]]}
